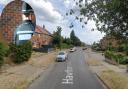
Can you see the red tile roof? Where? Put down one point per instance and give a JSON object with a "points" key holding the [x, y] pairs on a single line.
{"points": [[42, 30]]}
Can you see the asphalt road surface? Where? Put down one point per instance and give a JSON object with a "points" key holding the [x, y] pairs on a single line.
{"points": [[72, 74]]}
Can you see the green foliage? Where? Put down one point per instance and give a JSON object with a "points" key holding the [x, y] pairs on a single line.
{"points": [[21, 53], [119, 58], [74, 39], [3, 50], [123, 48], [110, 15], [66, 46], [126, 49], [67, 41], [57, 39], [96, 46]]}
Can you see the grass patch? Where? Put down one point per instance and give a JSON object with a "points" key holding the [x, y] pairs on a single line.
{"points": [[114, 80], [37, 54], [21, 85], [94, 62]]}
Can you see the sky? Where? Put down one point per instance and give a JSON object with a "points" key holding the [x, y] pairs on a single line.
{"points": [[52, 13]]}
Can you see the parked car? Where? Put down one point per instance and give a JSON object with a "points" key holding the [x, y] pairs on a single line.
{"points": [[72, 49], [62, 56]]}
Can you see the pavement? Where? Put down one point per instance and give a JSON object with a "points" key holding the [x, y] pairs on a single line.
{"points": [[72, 74]]}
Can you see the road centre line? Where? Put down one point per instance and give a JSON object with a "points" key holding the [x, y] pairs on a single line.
{"points": [[69, 75]]}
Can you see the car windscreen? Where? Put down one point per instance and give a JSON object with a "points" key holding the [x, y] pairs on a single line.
{"points": [[61, 53]]}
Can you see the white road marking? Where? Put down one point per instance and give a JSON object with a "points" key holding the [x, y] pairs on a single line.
{"points": [[69, 75]]}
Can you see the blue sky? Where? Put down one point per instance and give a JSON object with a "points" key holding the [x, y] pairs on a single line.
{"points": [[51, 13]]}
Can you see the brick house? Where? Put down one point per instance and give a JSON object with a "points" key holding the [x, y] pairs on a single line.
{"points": [[41, 37], [12, 16]]}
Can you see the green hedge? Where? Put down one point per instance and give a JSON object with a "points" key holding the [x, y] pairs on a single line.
{"points": [[3, 51], [119, 58], [20, 53], [64, 46]]}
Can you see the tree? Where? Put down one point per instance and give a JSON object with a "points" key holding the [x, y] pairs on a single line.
{"points": [[57, 40], [111, 16], [74, 39]]}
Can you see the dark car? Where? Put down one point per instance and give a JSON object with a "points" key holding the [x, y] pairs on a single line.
{"points": [[84, 48]]}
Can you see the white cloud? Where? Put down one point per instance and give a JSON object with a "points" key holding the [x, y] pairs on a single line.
{"points": [[89, 36], [45, 11], [5, 2]]}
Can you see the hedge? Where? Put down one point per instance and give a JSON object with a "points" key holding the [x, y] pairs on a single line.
{"points": [[119, 58], [3, 51], [20, 53]]}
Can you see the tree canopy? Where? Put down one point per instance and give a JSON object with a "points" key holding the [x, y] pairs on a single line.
{"points": [[57, 37], [74, 39], [111, 16]]}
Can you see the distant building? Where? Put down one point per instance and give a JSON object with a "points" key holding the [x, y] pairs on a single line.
{"points": [[41, 37]]}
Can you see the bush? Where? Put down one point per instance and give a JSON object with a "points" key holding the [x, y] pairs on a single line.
{"points": [[126, 49], [119, 58], [64, 46], [2, 53], [108, 54], [124, 60], [21, 53]]}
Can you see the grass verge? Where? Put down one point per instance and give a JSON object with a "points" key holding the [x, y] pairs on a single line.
{"points": [[93, 62], [114, 80]]}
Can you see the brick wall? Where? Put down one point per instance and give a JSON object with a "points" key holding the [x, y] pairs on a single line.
{"points": [[11, 17]]}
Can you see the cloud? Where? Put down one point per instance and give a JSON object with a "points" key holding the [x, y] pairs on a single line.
{"points": [[5, 2], [45, 11], [88, 36]]}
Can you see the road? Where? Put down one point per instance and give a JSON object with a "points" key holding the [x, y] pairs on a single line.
{"points": [[72, 74]]}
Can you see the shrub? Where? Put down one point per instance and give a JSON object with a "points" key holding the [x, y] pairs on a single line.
{"points": [[2, 53], [119, 58], [124, 60], [108, 54], [126, 49], [64, 46], [21, 53]]}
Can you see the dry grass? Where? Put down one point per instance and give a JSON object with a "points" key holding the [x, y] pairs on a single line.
{"points": [[19, 77], [21, 85], [114, 80], [37, 54], [94, 62], [43, 61]]}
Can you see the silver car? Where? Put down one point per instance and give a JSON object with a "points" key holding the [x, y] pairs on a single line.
{"points": [[62, 56]]}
